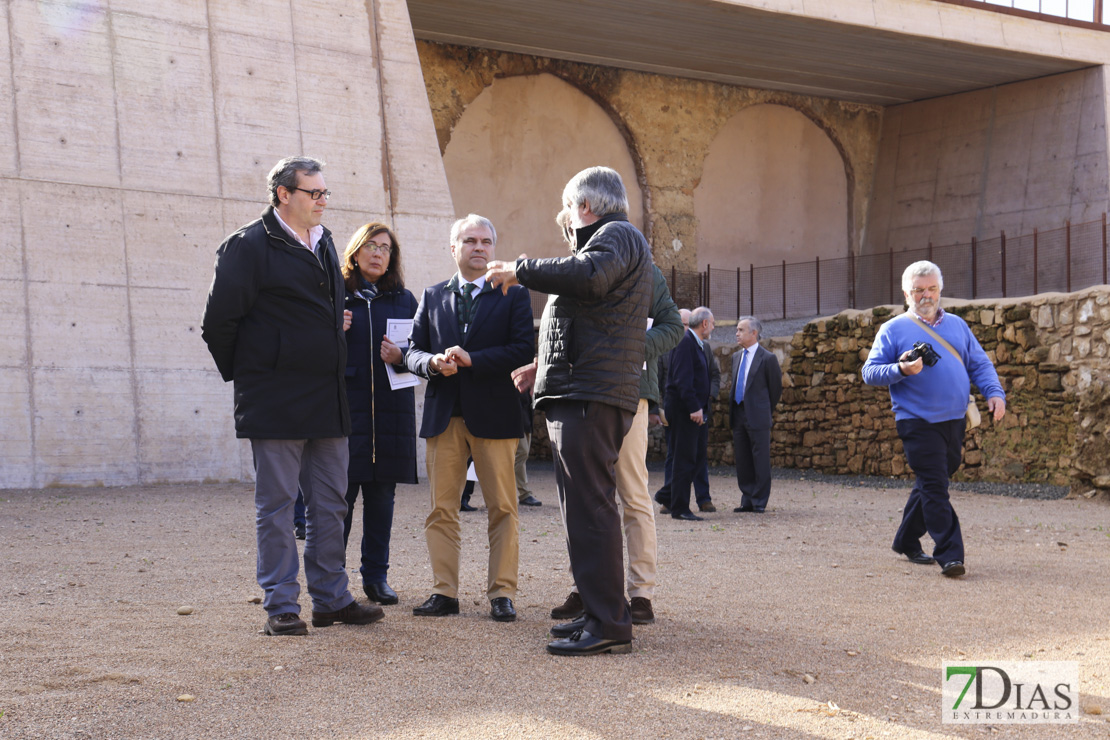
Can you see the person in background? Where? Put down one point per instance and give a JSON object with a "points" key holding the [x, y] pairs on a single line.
{"points": [[756, 390], [383, 421]]}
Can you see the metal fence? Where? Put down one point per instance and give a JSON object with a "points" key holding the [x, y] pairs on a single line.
{"points": [[1065, 259]]}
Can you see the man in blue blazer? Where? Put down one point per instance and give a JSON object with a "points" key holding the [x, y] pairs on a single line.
{"points": [[756, 389], [467, 338], [686, 403]]}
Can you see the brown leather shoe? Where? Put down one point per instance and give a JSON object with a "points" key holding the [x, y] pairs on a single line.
{"points": [[353, 613], [572, 608], [641, 610], [707, 506], [287, 623]]}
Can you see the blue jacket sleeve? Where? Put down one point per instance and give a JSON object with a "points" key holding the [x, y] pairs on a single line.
{"points": [[881, 367]]}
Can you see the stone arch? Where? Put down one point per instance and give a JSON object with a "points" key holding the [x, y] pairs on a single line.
{"points": [[514, 148], [775, 185]]}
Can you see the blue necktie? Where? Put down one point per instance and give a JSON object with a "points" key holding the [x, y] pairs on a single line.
{"points": [[739, 393]]}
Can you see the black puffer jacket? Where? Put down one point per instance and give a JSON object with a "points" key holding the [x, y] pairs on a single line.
{"points": [[592, 329], [274, 326]]}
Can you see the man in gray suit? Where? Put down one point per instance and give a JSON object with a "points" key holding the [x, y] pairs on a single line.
{"points": [[756, 389]]}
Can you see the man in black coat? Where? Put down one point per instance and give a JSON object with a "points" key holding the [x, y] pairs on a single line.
{"points": [[591, 356], [686, 402], [467, 339], [756, 390], [274, 324]]}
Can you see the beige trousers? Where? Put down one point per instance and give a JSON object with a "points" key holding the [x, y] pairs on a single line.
{"points": [[637, 510], [493, 461]]}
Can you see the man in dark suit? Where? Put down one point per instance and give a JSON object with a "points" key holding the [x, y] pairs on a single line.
{"points": [[686, 403], [467, 339], [756, 389], [274, 324]]}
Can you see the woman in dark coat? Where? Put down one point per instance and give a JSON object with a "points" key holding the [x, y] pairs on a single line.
{"points": [[383, 421]]}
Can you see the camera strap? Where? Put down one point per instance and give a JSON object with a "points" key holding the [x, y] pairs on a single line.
{"points": [[973, 418]]}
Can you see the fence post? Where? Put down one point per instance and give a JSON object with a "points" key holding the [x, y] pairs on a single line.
{"points": [[974, 264], [1067, 252], [784, 289], [930, 252], [751, 282], [1035, 291], [1003, 264], [738, 273], [708, 278], [674, 285], [852, 273], [1104, 247], [817, 282], [890, 270]]}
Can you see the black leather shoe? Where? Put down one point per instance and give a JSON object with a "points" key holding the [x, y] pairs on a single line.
{"points": [[465, 506], [687, 517], [918, 557], [380, 592], [437, 605], [569, 628], [285, 624], [353, 613], [583, 643], [572, 608], [953, 569], [660, 498], [501, 609], [530, 501]]}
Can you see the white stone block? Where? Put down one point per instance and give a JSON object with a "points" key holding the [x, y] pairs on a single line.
{"points": [[9, 164], [344, 126], [15, 429], [13, 339], [85, 427], [239, 213], [921, 18], [166, 113], [58, 245], [79, 326], [257, 110], [172, 239], [397, 43], [341, 25], [187, 427], [11, 232], [855, 12], [167, 329], [190, 12], [65, 103], [271, 19], [426, 245]]}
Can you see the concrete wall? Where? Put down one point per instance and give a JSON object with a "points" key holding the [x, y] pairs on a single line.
{"points": [[1012, 158], [133, 138], [516, 146]]}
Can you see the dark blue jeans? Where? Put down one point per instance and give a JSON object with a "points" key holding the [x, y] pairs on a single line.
{"points": [[377, 524], [934, 452]]}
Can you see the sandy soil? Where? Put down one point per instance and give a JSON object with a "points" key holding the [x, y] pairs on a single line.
{"points": [[797, 624]]}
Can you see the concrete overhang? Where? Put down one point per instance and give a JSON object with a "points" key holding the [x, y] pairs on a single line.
{"points": [[880, 52]]}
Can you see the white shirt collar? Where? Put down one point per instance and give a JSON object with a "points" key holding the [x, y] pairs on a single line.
{"points": [[478, 284], [314, 233]]}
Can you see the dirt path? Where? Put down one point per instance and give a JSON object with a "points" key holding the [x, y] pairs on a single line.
{"points": [[762, 623]]}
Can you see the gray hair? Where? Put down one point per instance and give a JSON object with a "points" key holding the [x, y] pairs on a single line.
{"points": [[699, 316], [284, 174], [472, 219], [920, 269], [753, 323], [601, 187]]}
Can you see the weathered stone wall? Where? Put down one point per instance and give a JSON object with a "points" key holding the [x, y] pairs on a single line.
{"points": [[1050, 352], [669, 123]]}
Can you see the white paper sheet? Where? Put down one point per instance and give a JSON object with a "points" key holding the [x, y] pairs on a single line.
{"points": [[398, 331]]}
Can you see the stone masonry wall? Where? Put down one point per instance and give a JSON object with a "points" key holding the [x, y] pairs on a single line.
{"points": [[1050, 352]]}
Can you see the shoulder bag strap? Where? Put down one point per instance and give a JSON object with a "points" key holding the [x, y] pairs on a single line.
{"points": [[939, 338]]}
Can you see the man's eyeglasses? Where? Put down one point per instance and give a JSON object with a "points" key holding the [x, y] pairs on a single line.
{"points": [[379, 248], [918, 292], [315, 194]]}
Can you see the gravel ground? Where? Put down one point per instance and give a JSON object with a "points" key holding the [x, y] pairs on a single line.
{"points": [[796, 624]]}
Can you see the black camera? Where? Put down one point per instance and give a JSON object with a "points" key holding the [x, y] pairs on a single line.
{"points": [[925, 351]]}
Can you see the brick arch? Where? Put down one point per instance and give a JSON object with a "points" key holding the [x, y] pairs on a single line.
{"points": [[514, 144], [776, 184]]}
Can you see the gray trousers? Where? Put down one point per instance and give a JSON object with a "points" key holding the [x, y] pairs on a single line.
{"points": [[586, 439], [319, 467]]}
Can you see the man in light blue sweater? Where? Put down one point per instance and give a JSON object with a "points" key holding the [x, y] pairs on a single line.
{"points": [[929, 407]]}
